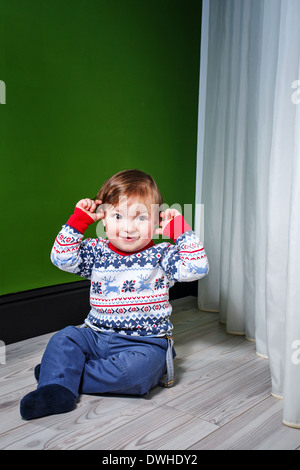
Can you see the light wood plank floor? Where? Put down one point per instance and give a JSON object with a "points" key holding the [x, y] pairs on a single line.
{"points": [[221, 399]]}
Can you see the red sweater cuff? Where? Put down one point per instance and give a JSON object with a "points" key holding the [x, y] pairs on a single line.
{"points": [[80, 220], [176, 227]]}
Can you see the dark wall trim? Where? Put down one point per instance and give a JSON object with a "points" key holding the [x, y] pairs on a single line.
{"points": [[36, 312]]}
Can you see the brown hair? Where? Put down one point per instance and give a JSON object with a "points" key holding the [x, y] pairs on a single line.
{"points": [[129, 183]]}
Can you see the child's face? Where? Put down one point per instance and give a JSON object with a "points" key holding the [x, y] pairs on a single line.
{"points": [[130, 225]]}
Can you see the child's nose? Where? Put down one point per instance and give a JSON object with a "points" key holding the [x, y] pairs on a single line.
{"points": [[130, 226]]}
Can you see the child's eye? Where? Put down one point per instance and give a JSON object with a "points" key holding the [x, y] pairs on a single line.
{"points": [[142, 218], [117, 216]]}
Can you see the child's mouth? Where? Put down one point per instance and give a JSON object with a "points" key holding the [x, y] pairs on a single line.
{"points": [[130, 239]]}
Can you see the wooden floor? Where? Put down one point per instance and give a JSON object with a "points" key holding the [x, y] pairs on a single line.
{"points": [[221, 399]]}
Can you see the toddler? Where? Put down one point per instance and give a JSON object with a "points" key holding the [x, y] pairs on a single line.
{"points": [[125, 344]]}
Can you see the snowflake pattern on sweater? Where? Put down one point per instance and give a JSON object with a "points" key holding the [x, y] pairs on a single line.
{"points": [[129, 294]]}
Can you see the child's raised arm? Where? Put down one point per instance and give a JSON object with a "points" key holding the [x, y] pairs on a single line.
{"points": [[186, 260], [70, 253]]}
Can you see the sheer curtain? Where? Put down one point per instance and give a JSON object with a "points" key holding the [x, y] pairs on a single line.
{"points": [[248, 179]]}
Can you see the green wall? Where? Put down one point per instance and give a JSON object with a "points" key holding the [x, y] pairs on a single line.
{"points": [[92, 87]]}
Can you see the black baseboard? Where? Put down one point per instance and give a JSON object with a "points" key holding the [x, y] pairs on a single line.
{"points": [[27, 314]]}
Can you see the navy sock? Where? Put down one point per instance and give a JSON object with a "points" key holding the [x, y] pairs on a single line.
{"points": [[47, 400]]}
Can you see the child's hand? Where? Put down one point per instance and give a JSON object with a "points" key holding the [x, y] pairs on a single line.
{"points": [[90, 206], [166, 216]]}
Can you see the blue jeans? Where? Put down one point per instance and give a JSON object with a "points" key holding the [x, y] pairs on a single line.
{"points": [[86, 361]]}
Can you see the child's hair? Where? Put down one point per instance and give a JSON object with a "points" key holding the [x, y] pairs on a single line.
{"points": [[129, 183]]}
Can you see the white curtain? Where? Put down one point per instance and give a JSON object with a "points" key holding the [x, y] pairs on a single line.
{"points": [[248, 179]]}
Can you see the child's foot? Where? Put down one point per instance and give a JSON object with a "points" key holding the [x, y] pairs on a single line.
{"points": [[47, 400]]}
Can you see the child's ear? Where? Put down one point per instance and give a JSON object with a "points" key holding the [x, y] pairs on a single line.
{"points": [[100, 210]]}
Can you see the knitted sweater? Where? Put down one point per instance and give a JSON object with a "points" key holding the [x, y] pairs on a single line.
{"points": [[129, 293]]}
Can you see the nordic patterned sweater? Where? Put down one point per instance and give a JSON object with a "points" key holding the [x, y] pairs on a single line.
{"points": [[129, 293]]}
